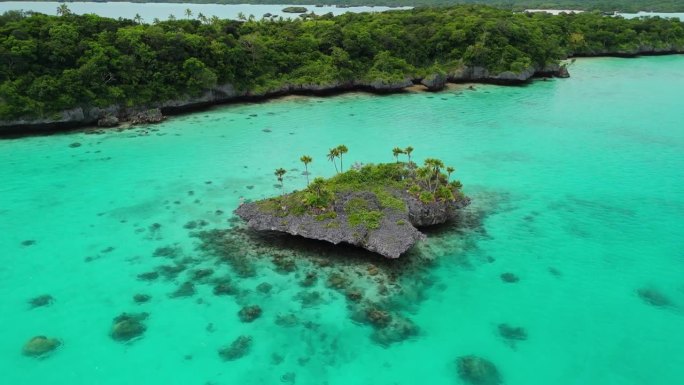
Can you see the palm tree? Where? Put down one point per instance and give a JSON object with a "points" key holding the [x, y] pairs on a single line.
{"points": [[450, 170], [241, 16], [188, 13], [138, 19], [342, 149], [202, 18], [424, 174], [156, 20], [396, 151], [279, 172], [433, 165], [334, 153], [63, 10], [317, 186], [306, 160], [408, 150], [171, 17]]}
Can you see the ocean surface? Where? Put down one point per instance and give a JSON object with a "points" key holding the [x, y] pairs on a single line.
{"points": [[149, 11], [578, 194]]}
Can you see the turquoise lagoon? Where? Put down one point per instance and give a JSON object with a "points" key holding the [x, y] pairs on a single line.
{"points": [[577, 184], [150, 11]]}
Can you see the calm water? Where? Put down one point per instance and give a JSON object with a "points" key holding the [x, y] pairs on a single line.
{"points": [[149, 11], [679, 16], [580, 184]]}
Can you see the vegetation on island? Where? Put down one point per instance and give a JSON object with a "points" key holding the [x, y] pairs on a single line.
{"points": [[295, 9], [516, 5], [56, 63], [390, 183]]}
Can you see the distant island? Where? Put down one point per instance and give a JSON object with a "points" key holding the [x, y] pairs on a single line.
{"points": [[295, 10], [632, 6], [378, 207], [72, 70]]}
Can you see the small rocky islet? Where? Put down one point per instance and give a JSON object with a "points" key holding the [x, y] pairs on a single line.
{"points": [[379, 207]]}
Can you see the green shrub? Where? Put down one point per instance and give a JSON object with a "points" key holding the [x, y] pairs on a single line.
{"points": [[426, 197], [371, 219]]}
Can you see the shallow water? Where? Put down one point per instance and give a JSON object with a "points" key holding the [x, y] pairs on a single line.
{"points": [[577, 184], [150, 11]]}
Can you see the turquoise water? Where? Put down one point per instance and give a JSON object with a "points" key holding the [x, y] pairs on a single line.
{"points": [[577, 187], [149, 11]]}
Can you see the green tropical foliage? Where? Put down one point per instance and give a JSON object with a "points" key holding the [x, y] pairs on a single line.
{"points": [[603, 5], [54, 63]]}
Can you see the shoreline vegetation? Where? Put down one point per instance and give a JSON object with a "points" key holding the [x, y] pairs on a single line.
{"points": [[69, 71], [625, 6], [378, 207]]}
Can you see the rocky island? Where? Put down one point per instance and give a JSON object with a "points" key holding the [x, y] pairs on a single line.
{"points": [[379, 207]]}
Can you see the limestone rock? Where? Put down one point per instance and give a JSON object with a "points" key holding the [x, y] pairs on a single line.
{"points": [[434, 82]]}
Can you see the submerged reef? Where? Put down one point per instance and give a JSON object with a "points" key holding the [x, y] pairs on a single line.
{"points": [[380, 293], [512, 334], [653, 297], [249, 313], [128, 326], [239, 348], [477, 371], [41, 300], [40, 346], [378, 207]]}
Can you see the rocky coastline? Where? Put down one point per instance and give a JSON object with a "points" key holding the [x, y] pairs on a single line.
{"points": [[112, 116]]}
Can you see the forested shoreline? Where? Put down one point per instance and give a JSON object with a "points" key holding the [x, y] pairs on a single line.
{"points": [[631, 6], [52, 64]]}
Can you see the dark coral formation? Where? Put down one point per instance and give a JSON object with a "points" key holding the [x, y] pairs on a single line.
{"points": [[310, 279], [200, 274], [654, 297], [512, 334], [41, 300], [287, 320], [249, 313], [141, 298], [237, 349], [40, 346], [476, 370], [509, 278], [149, 276], [128, 326], [186, 289], [224, 287], [264, 288]]}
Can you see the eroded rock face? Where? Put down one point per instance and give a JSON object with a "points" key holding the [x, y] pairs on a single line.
{"points": [[395, 234], [108, 121], [434, 82], [153, 115]]}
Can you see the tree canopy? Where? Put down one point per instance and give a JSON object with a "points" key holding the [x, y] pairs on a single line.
{"points": [[54, 63]]}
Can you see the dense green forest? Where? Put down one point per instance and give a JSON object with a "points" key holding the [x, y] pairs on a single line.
{"points": [[52, 63], [589, 5]]}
